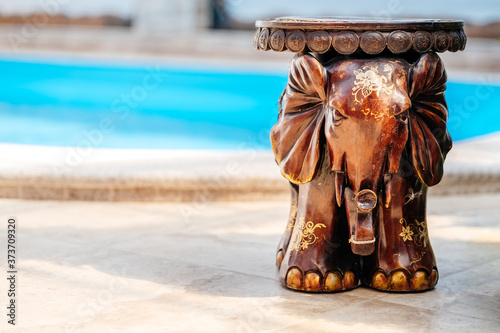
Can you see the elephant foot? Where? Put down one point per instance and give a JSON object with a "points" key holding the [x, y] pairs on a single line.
{"points": [[402, 281], [304, 270], [314, 281]]}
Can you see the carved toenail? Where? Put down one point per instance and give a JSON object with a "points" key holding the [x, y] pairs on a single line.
{"points": [[399, 281], [333, 281], [420, 281], [433, 279], [380, 281], [279, 259], [312, 282], [350, 281], [294, 279]]}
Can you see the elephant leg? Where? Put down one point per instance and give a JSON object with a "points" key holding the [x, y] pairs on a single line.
{"points": [[403, 259], [318, 257], [285, 239]]}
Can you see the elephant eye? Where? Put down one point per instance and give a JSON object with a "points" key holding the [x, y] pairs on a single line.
{"points": [[403, 116], [337, 117]]}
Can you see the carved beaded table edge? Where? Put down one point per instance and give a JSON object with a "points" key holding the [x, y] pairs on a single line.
{"points": [[361, 134]]}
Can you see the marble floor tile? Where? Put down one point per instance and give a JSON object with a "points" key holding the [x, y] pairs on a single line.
{"points": [[381, 316]]}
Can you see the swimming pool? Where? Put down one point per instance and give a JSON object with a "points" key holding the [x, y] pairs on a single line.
{"points": [[171, 107]]}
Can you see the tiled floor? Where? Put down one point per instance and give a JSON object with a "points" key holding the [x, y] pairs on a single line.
{"points": [[156, 267]]}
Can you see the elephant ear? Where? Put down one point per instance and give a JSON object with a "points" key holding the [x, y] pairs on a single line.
{"points": [[295, 138], [428, 138]]}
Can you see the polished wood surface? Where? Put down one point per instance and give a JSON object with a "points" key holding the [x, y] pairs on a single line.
{"points": [[358, 23], [359, 35]]}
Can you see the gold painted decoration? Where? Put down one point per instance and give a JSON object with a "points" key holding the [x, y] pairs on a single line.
{"points": [[418, 258], [306, 234], [407, 231], [419, 235], [412, 195], [369, 80], [422, 238]]}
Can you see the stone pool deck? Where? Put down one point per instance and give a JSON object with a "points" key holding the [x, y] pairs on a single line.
{"points": [[170, 267]]}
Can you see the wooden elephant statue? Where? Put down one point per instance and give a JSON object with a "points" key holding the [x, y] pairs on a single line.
{"points": [[360, 139]]}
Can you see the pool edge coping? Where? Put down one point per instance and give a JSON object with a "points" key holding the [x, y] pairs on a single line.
{"points": [[29, 172]]}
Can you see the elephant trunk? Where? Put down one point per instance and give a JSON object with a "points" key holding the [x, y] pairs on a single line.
{"points": [[360, 207]]}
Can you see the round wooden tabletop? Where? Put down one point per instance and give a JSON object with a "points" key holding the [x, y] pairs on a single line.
{"points": [[347, 35]]}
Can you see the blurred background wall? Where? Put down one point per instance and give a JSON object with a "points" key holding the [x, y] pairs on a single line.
{"points": [[165, 16], [218, 29]]}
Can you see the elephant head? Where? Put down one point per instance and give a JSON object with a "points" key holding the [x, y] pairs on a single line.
{"points": [[374, 115]]}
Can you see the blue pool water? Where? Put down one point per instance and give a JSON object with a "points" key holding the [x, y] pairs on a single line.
{"points": [[127, 106]]}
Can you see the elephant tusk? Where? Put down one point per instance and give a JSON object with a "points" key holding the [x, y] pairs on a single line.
{"points": [[339, 187], [388, 189]]}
